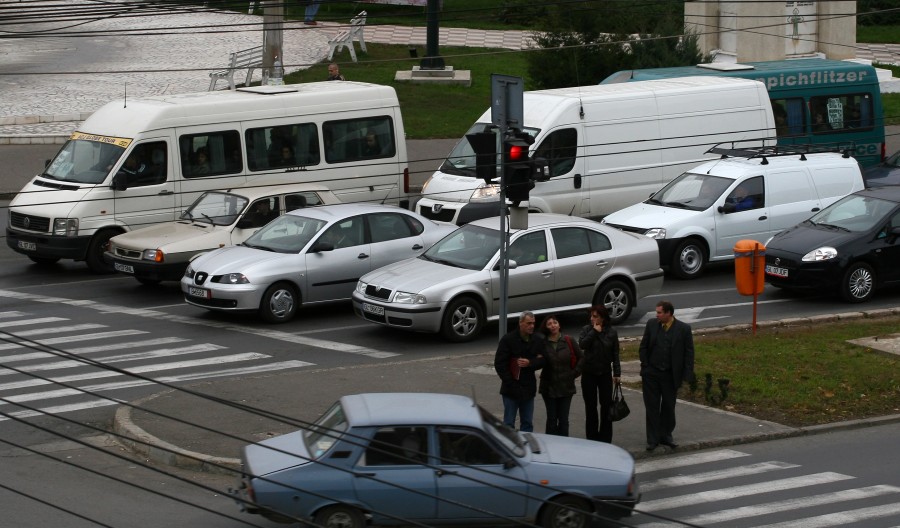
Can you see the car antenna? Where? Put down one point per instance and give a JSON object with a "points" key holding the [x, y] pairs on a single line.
{"points": [[474, 396]]}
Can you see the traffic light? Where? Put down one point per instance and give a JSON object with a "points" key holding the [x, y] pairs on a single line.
{"points": [[485, 146], [517, 170]]}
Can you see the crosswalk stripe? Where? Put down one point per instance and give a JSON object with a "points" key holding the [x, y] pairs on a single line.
{"points": [[697, 478], [138, 356], [169, 379], [742, 491], [134, 370], [75, 338], [59, 329], [93, 349], [691, 460], [745, 512], [844, 518], [4, 315], [102, 387], [26, 322]]}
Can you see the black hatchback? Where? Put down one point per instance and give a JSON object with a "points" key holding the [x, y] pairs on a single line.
{"points": [[853, 246]]}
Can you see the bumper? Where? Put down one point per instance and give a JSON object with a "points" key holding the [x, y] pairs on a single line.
{"points": [[226, 298], [47, 246], [824, 275], [142, 269], [458, 213], [616, 508], [417, 318]]}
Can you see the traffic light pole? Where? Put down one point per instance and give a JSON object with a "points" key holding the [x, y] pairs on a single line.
{"points": [[504, 242]]}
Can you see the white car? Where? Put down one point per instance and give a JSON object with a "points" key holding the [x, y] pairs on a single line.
{"points": [[559, 263], [699, 216], [216, 219], [307, 256]]}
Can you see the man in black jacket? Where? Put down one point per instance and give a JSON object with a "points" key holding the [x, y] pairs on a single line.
{"points": [[667, 359], [519, 355]]}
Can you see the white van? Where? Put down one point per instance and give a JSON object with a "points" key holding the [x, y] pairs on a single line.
{"points": [[699, 216], [139, 162], [608, 146]]}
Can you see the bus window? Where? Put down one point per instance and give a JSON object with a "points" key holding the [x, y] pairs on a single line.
{"points": [[790, 119]]}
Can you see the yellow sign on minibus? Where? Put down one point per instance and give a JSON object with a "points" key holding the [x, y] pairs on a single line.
{"points": [[119, 142]]}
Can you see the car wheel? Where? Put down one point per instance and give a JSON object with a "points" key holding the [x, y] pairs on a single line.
{"points": [[858, 284], [44, 261], [689, 259], [279, 303], [94, 257], [340, 516], [566, 512], [463, 320], [618, 299], [148, 282]]}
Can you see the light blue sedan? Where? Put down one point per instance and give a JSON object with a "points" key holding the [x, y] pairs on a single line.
{"points": [[402, 458]]}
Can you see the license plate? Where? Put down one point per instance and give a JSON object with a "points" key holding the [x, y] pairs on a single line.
{"points": [[778, 272], [198, 292], [27, 246], [124, 268], [372, 309]]}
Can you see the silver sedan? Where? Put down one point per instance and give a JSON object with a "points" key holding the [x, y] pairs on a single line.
{"points": [[559, 263], [306, 256]]}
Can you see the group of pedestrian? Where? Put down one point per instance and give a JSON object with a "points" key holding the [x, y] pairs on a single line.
{"points": [[666, 358]]}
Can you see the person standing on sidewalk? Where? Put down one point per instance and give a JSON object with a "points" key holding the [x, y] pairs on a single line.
{"points": [[519, 355], [602, 368], [667, 359], [563, 360], [309, 16]]}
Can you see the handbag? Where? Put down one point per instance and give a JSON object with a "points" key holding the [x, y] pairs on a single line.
{"points": [[573, 359], [619, 409]]}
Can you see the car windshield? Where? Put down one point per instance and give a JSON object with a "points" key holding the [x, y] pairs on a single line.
{"points": [[461, 160], [691, 191], [854, 213], [86, 159], [326, 431], [469, 247], [286, 234], [216, 208], [506, 435]]}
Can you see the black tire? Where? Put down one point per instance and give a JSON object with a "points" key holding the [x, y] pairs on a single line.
{"points": [[44, 261], [566, 512], [340, 516], [279, 304], [618, 299], [689, 259], [463, 320], [94, 257], [148, 282], [858, 284]]}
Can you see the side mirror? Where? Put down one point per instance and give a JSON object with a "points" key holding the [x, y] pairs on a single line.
{"points": [[46, 163], [245, 223], [509, 464], [119, 182], [541, 169], [322, 246], [893, 234], [727, 208]]}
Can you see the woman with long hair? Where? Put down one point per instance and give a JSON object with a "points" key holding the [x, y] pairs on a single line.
{"points": [[562, 364]]}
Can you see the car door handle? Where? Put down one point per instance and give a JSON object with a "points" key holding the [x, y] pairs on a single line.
{"points": [[417, 247], [442, 472], [547, 273], [364, 474], [814, 209], [362, 256], [764, 217], [602, 264], [165, 192]]}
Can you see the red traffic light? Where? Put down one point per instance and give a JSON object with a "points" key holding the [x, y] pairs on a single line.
{"points": [[517, 153]]}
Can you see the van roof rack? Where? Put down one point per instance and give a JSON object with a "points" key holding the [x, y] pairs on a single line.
{"points": [[767, 151]]}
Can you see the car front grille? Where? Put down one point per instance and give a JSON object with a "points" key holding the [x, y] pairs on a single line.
{"points": [[444, 215], [29, 222], [378, 293], [128, 253], [629, 229], [214, 303]]}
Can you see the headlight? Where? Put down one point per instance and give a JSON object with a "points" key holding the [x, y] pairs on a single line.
{"points": [[822, 253], [361, 287], [486, 193], [656, 233], [233, 278], [156, 255], [65, 226], [189, 272], [409, 298]]}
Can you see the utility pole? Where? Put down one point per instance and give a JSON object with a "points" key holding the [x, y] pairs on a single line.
{"points": [[273, 36]]}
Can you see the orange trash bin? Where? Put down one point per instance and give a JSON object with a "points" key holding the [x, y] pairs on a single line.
{"points": [[749, 267]]}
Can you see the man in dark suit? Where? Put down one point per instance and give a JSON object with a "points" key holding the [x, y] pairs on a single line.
{"points": [[667, 359]]}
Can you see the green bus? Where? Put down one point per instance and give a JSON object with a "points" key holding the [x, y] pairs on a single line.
{"points": [[818, 102]]}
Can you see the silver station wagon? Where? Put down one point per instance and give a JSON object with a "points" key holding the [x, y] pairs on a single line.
{"points": [[307, 256], [424, 459], [559, 263]]}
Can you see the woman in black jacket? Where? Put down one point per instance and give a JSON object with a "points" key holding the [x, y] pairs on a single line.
{"points": [[600, 343], [562, 364]]}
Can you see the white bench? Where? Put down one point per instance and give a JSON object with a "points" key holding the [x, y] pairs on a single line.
{"points": [[347, 36], [250, 58]]}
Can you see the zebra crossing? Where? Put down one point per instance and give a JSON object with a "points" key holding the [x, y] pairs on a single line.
{"points": [[50, 365], [665, 497]]}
